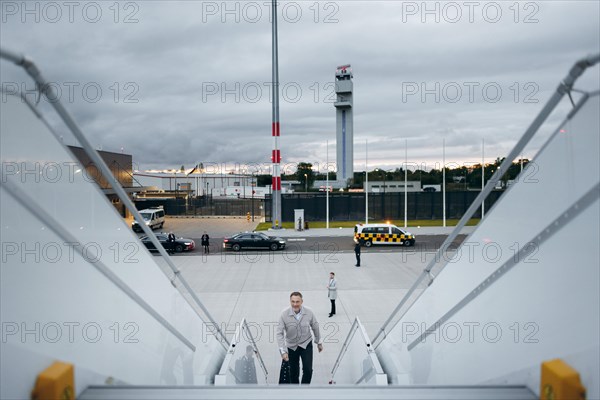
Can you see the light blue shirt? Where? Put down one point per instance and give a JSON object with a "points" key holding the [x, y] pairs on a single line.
{"points": [[298, 316]]}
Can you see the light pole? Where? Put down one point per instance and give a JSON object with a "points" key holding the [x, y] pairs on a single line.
{"points": [[444, 181], [252, 186], [327, 190], [384, 178], [366, 185], [306, 182], [405, 183], [482, 176]]}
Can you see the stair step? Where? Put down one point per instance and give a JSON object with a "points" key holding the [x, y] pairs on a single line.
{"points": [[310, 392]]}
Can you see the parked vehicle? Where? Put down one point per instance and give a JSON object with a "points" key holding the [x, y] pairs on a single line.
{"points": [[177, 246], [432, 188], [153, 217], [253, 240], [370, 234]]}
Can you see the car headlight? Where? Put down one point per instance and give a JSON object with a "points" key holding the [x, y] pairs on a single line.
{"points": [[282, 242]]}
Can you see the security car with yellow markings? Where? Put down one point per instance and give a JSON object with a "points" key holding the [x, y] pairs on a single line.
{"points": [[370, 234]]}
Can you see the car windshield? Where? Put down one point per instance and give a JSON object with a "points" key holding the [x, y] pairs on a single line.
{"points": [[146, 216], [263, 236], [159, 237]]}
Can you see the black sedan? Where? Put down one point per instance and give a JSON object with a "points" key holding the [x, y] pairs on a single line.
{"points": [[177, 246], [253, 240]]}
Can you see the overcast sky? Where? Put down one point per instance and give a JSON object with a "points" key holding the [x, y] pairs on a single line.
{"points": [[187, 82]]}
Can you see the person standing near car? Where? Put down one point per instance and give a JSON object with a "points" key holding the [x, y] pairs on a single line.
{"points": [[357, 253], [204, 240], [332, 292], [171, 242], [295, 339]]}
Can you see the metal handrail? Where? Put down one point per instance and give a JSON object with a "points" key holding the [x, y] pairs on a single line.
{"points": [[47, 90], [375, 365], [565, 86]]}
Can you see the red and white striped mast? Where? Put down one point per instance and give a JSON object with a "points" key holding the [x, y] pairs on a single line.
{"points": [[276, 156]]}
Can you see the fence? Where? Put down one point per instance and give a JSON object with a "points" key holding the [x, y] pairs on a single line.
{"points": [[342, 207], [351, 206], [205, 206]]}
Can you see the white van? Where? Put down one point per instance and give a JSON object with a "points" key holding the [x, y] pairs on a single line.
{"points": [[370, 234], [153, 217]]}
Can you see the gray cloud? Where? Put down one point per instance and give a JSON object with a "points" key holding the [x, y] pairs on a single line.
{"points": [[181, 85]]}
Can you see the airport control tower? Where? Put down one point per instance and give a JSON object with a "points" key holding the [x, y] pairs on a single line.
{"points": [[344, 123]]}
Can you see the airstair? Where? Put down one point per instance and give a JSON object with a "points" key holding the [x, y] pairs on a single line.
{"points": [[76, 286]]}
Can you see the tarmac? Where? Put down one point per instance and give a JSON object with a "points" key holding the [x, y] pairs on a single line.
{"points": [[349, 232], [257, 286], [223, 226]]}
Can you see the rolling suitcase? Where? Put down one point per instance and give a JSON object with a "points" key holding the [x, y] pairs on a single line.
{"points": [[284, 373]]}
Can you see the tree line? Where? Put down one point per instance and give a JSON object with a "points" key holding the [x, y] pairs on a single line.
{"points": [[462, 176]]}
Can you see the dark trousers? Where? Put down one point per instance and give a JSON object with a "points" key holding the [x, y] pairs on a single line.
{"points": [[358, 259], [332, 306], [307, 360]]}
